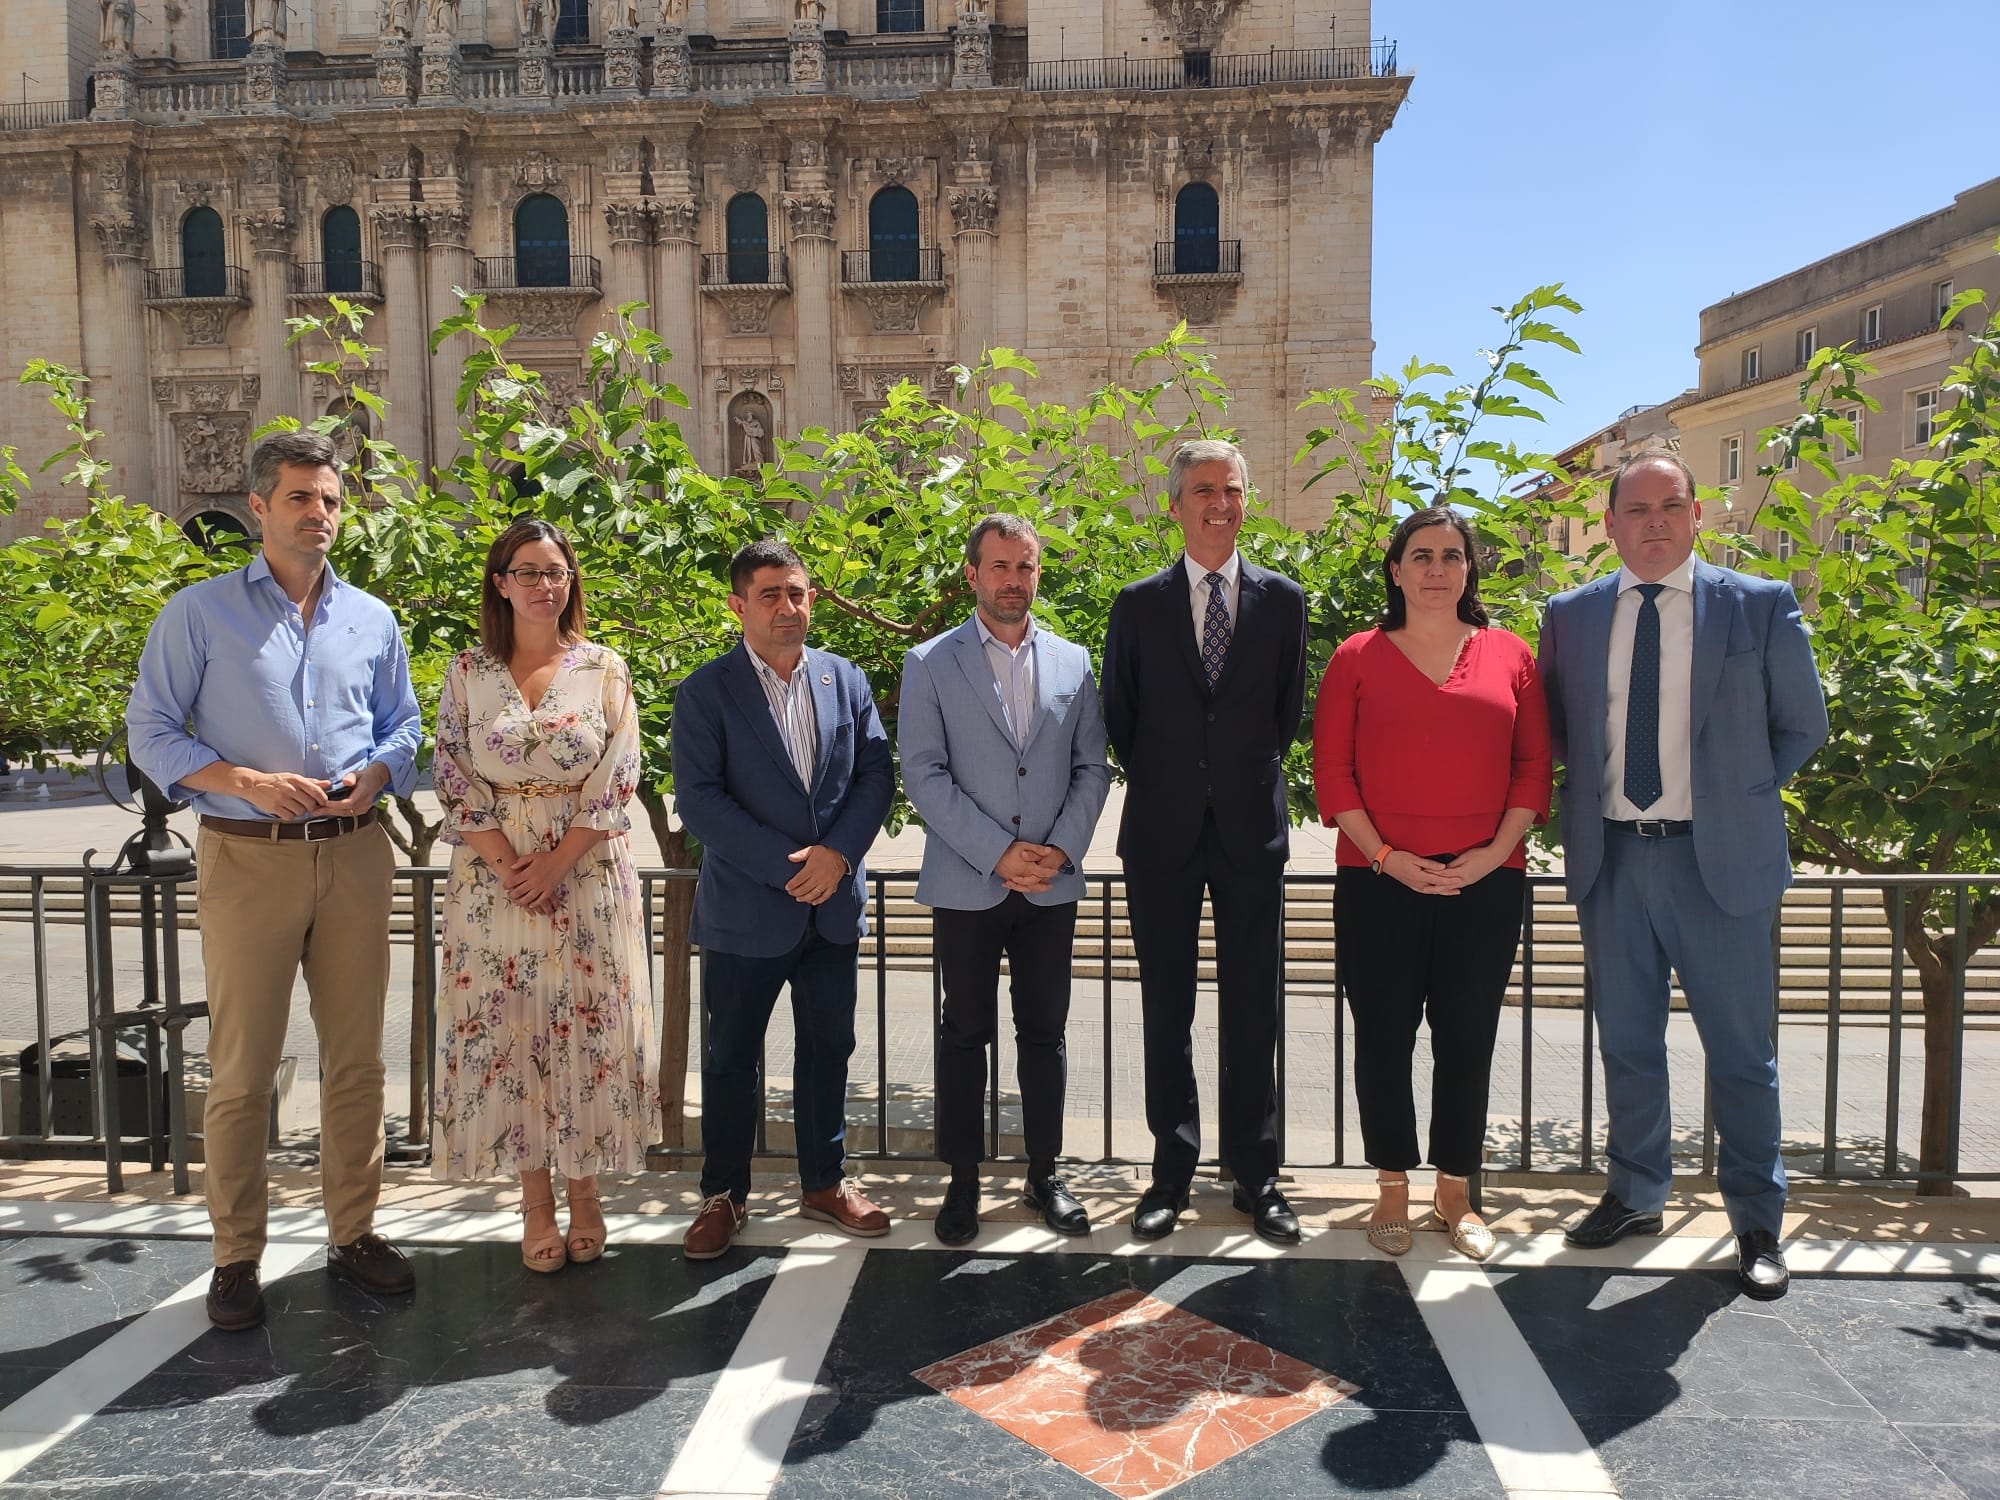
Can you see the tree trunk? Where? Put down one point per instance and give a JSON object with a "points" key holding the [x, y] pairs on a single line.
{"points": [[676, 979], [1932, 957]]}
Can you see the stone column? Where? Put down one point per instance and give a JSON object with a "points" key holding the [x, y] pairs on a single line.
{"points": [[814, 264], [445, 227], [115, 359], [270, 232], [677, 311], [630, 222], [399, 232]]}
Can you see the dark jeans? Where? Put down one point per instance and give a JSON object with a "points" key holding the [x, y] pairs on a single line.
{"points": [[1405, 955], [737, 993], [1036, 941], [1248, 905]]}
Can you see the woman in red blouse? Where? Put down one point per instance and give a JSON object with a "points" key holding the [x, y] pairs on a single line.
{"points": [[1431, 754]]}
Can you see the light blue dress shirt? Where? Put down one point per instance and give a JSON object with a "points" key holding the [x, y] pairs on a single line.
{"points": [[231, 673]]}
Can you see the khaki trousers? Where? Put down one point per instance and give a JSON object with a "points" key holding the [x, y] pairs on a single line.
{"points": [[266, 907]]}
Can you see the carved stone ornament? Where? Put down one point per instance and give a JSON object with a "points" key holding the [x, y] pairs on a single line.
{"points": [[270, 231], [897, 170], [264, 74], [1200, 302], [747, 304], [397, 227], [808, 71], [629, 221], [538, 169], [750, 378], [398, 17], [443, 69], [393, 166], [445, 161], [893, 307], [546, 313], [971, 57], [120, 236], [445, 225], [196, 193], [745, 165], [850, 378], [206, 395], [350, 375], [394, 78], [270, 169], [204, 325], [211, 452], [672, 71], [114, 180], [676, 218], [115, 88], [621, 61], [336, 180], [1197, 24], [253, 388], [531, 71], [626, 157], [973, 209], [810, 215]]}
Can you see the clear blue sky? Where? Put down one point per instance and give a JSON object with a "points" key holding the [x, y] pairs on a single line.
{"points": [[1655, 159]]}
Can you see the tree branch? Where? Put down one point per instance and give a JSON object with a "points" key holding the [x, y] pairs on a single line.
{"points": [[1846, 853], [861, 611]]}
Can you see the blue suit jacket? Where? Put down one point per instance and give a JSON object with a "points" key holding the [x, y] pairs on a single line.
{"points": [[976, 791], [1757, 716], [736, 790]]}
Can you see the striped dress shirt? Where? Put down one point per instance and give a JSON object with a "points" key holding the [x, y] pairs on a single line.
{"points": [[1013, 677], [792, 706]]}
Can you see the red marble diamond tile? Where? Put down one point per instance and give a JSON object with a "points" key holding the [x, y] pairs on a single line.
{"points": [[1133, 1393]]}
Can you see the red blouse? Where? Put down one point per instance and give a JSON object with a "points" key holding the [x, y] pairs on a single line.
{"points": [[1435, 768]]}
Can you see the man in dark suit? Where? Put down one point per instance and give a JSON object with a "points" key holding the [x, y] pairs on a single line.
{"points": [[1681, 698], [782, 770], [1204, 683]]}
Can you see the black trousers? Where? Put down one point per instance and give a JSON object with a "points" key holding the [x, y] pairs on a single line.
{"points": [[1036, 941], [1165, 908], [1405, 956]]}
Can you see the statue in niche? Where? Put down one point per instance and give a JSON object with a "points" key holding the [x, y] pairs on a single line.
{"points": [[751, 449], [267, 20], [673, 13], [441, 19], [812, 12], [534, 21], [398, 17], [114, 25]]}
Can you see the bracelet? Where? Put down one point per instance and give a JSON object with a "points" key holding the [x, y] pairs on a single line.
{"points": [[1381, 854]]}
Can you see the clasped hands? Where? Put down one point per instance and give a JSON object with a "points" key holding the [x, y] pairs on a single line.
{"points": [[1433, 877], [287, 796], [1030, 868]]}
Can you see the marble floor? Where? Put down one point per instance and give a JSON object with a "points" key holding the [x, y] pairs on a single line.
{"points": [[802, 1364]]}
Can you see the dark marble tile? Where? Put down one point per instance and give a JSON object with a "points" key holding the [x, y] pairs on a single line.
{"points": [[61, 1296], [1408, 1455], [1968, 1453], [1920, 1349], [506, 1439], [1727, 1458], [1633, 1346]]}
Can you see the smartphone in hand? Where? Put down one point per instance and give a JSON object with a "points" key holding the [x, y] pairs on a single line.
{"points": [[338, 790]]}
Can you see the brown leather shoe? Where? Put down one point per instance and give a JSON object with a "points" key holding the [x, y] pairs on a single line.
{"points": [[843, 1205], [714, 1228], [373, 1264], [234, 1298]]}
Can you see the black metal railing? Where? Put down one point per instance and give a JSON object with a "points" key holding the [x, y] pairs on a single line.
{"points": [[337, 278], [508, 273], [744, 268], [44, 112], [1215, 70], [858, 267], [183, 283], [1848, 995], [1191, 257]]}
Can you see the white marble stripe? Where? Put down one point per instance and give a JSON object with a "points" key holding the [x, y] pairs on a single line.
{"points": [[1669, 1253], [69, 1398], [1530, 1437], [738, 1443]]}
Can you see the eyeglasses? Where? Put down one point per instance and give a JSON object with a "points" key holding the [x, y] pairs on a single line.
{"points": [[529, 578]]}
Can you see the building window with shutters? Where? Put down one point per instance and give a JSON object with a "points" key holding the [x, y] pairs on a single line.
{"points": [[541, 242], [899, 15], [572, 20], [228, 29], [747, 231], [1197, 230], [893, 245], [204, 269]]}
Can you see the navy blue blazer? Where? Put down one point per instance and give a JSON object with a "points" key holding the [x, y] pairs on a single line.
{"points": [[736, 790], [1758, 715]]}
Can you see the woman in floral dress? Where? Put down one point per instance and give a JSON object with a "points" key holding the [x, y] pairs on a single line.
{"points": [[545, 1034]]}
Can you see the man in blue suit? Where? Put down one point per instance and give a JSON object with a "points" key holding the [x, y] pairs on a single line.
{"points": [[1681, 698], [782, 770], [1002, 743]]}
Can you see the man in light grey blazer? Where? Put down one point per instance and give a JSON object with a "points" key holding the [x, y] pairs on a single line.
{"points": [[1681, 698], [1002, 743]]}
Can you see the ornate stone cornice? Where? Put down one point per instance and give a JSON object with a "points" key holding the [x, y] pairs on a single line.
{"points": [[120, 236], [542, 313], [270, 230], [748, 304], [973, 209], [894, 306], [398, 226], [810, 215]]}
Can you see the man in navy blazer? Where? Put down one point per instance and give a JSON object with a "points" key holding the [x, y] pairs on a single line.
{"points": [[782, 770], [1204, 683], [1002, 743], [1681, 698]]}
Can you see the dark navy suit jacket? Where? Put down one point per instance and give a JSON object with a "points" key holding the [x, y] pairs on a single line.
{"points": [[736, 790]]}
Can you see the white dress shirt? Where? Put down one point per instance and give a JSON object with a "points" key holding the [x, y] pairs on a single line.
{"points": [[1013, 678], [1676, 606], [1232, 581], [792, 706]]}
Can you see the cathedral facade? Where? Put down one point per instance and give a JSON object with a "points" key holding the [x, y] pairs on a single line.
{"points": [[813, 198]]}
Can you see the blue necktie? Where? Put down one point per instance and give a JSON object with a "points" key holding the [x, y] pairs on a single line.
{"points": [[1214, 630], [1642, 707]]}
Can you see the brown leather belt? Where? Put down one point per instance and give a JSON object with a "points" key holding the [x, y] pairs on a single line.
{"points": [[313, 830]]}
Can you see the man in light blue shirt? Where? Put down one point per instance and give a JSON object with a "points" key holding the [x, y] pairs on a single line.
{"points": [[277, 700]]}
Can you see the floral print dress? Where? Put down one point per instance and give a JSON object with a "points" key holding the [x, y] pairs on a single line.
{"points": [[545, 1028]]}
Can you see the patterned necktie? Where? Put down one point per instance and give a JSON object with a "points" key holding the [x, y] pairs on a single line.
{"points": [[1642, 706], [1214, 630]]}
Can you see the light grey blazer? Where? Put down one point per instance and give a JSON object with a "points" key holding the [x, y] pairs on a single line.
{"points": [[975, 789]]}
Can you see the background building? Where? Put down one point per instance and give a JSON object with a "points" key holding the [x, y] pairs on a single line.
{"points": [[816, 199]]}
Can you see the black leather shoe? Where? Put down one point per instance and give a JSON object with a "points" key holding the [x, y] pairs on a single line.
{"points": [[234, 1298], [1058, 1206], [1270, 1215], [1608, 1223], [1160, 1209], [958, 1220], [1760, 1266], [373, 1264]]}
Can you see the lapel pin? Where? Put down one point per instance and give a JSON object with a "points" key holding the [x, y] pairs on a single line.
{"points": [[826, 679]]}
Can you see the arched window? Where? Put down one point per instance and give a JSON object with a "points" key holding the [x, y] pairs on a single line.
{"points": [[340, 249], [202, 264], [892, 235], [747, 227], [541, 242], [228, 29], [572, 20], [1197, 230], [899, 15]]}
